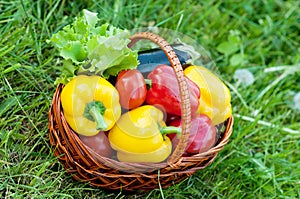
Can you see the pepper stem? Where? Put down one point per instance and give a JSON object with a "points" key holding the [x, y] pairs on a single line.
{"points": [[170, 129], [148, 82], [94, 111]]}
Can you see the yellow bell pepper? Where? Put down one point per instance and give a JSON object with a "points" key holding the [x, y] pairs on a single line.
{"points": [[90, 104], [139, 136], [215, 96], [158, 155]]}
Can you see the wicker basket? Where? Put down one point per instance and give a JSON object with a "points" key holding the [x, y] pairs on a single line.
{"points": [[87, 166]]}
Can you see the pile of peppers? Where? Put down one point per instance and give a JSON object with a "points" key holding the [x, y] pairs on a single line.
{"points": [[137, 118]]}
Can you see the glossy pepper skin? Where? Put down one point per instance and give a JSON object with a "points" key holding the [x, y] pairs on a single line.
{"points": [[99, 143], [164, 91], [132, 88], [137, 136], [202, 135], [215, 96], [90, 104]]}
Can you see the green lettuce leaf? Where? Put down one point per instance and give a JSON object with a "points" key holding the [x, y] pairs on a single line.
{"points": [[67, 73], [91, 49]]}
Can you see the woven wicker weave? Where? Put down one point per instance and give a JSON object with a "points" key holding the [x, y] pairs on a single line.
{"points": [[87, 166]]}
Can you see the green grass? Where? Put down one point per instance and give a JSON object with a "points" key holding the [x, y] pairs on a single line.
{"points": [[262, 157]]}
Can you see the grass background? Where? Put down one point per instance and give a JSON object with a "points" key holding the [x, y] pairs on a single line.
{"points": [[262, 158]]}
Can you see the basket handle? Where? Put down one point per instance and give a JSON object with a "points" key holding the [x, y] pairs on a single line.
{"points": [[183, 88]]}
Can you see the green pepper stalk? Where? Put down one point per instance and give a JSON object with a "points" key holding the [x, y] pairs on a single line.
{"points": [[94, 111]]}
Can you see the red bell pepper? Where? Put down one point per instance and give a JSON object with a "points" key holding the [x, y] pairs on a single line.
{"points": [[202, 135], [164, 91], [99, 143], [132, 88]]}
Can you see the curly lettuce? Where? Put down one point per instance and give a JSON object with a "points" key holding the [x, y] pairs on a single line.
{"points": [[90, 49]]}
